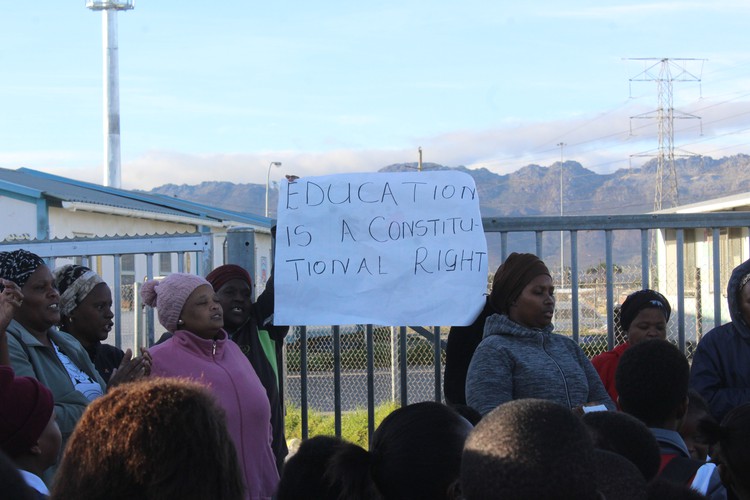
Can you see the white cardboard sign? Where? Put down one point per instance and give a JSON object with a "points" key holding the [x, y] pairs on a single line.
{"points": [[383, 248]]}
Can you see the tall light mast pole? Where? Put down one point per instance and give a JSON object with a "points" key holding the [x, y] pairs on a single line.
{"points": [[562, 233], [111, 76]]}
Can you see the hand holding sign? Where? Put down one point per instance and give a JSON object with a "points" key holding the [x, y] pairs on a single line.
{"points": [[387, 249]]}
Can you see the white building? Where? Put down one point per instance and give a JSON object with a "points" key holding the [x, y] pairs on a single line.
{"points": [[39, 207], [733, 248]]}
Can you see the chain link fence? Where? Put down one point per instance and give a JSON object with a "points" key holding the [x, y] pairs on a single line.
{"points": [[353, 348], [592, 317]]}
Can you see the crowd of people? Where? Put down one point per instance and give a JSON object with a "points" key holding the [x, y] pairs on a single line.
{"points": [[199, 415]]}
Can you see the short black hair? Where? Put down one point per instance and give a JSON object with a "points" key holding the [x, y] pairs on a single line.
{"points": [[625, 435], [617, 478], [414, 453], [733, 437], [697, 403], [528, 448], [652, 381], [304, 474]]}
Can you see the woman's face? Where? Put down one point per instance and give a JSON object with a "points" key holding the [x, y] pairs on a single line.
{"points": [[235, 299], [648, 324], [40, 309], [744, 302], [535, 306], [202, 314], [91, 321]]}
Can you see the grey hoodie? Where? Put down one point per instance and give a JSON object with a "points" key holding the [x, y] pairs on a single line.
{"points": [[515, 362]]}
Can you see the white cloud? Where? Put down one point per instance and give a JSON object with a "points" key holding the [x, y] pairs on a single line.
{"points": [[602, 143]]}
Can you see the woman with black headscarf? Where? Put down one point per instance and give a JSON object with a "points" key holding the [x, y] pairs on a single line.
{"points": [[519, 356], [642, 316], [37, 349]]}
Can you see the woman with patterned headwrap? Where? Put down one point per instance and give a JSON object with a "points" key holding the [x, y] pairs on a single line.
{"points": [[520, 356], [37, 349], [86, 314], [721, 365]]}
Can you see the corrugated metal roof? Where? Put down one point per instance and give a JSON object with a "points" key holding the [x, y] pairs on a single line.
{"points": [[63, 189], [722, 204]]}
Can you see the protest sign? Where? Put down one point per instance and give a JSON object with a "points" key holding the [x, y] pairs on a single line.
{"points": [[381, 248]]}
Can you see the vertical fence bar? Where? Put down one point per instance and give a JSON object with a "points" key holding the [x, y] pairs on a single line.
{"points": [[117, 292], [180, 262], [539, 244], [503, 246], [644, 260], [303, 381], [698, 305], [394, 362], [150, 310], [337, 379], [436, 352], [574, 283], [608, 238], [680, 244], [139, 334], [716, 244], [370, 382], [403, 363]]}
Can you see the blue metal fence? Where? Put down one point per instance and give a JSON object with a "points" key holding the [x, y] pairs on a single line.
{"points": [[662, 253]]}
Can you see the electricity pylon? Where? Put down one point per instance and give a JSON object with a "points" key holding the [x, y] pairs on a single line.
{"points": [[661, 72]]}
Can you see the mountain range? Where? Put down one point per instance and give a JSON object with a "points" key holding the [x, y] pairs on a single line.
{"points": [[535, 189]]}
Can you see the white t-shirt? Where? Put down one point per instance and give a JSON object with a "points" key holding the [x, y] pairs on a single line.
{"points": [[81, 380]]}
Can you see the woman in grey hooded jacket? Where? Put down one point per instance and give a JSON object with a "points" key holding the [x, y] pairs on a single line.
{"points": [[519, 356], [721, 365]]}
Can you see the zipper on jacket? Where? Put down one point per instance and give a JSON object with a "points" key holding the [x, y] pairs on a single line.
{"points": [[562, 374], [213, 348]]}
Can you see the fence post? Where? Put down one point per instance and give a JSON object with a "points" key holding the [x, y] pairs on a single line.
{"points": [[241, 250]]}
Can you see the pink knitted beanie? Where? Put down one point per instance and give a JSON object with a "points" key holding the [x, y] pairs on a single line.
{"points": [[169, 295]]}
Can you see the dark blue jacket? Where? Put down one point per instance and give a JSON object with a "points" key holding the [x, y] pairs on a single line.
{"points": [[721, 365]]}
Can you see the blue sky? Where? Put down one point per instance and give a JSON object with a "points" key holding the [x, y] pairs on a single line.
{"points": [[217, 90]]}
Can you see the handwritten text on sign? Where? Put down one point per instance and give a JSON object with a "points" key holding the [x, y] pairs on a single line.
{"points": [[385, 248]]}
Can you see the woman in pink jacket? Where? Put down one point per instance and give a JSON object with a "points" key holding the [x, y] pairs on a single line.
{"points": [[200, 350]]}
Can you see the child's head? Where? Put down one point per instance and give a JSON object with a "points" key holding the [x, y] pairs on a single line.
{"points": [[304, 474], [529, 448], [415, 453], [617, 478], [28, 431], [652, 383], [156, 438], [698, 410], [732, 450], [627, 436]]}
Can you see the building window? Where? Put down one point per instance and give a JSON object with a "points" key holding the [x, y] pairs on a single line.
{"points": [[165, 264]]}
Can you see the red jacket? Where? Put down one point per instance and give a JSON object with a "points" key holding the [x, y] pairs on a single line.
{"points": [[606, 366]]}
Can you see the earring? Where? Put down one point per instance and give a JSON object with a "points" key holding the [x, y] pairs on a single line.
{"points": [[180, 322]]}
